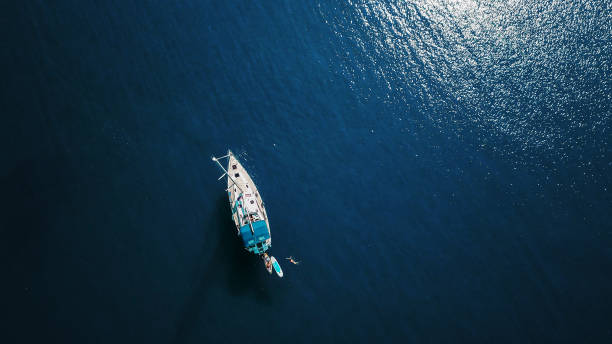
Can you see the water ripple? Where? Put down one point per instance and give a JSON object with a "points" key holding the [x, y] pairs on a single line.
{"points": [[526, 77]]}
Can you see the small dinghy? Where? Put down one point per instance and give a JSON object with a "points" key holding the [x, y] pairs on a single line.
{"points": [[248, 212], [267, 262]]}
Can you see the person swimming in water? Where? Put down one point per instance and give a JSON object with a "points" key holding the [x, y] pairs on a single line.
{"points": [[291, 259]]}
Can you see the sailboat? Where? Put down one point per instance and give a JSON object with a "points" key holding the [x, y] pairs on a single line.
{"points": [[248, 211]]}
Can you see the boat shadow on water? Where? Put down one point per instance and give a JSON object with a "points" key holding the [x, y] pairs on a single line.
{"points": [[237, 271]]}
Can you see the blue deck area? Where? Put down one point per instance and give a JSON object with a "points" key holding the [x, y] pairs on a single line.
{"points": [[259, 235]]}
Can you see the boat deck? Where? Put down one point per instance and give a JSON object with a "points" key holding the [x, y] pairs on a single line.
{"points": [[251, 205]]}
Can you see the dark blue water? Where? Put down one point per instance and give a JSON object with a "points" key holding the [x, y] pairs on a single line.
{"points": [[442, 169]]}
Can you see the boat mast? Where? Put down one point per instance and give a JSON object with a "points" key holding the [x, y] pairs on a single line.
{"points": [[224, 170]]}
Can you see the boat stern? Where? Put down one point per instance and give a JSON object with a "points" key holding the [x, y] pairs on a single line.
{"points": [[257, 241]]}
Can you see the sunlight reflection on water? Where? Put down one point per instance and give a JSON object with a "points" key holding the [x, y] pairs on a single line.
{"points": [[535, 74]]}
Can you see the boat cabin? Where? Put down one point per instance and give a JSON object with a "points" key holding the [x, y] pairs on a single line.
{"points": [[252, 228]]}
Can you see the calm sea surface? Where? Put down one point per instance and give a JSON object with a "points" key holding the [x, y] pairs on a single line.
{"points": [[442, 170]]}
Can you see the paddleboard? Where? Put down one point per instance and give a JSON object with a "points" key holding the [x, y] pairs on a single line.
{"points": [[277, 267]]}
